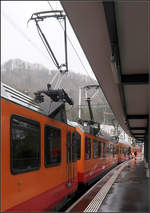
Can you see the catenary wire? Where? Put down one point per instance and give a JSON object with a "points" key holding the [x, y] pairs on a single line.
{"points": [[18, 29], [72, 46]]}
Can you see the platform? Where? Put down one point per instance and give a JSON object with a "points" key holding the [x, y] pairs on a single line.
{"points": [[125, 188]]}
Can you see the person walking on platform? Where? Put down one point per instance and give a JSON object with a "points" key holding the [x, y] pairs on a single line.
{"points": [[135, 153], [132, 154], [129, 153]]}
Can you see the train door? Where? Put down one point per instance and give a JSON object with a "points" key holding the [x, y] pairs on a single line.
{"points": [[73, 153], [69, 160]]}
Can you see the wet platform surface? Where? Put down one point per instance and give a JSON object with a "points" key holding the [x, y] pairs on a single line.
{"points": [[129, 191]]}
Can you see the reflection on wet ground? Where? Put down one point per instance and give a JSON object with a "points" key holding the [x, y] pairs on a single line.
{"points": [[130, 190]]}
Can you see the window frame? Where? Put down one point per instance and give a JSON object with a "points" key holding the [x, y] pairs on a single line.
{"points": [[98, 148], [45, 146], [115, 149], [74, 134], [89, 140], [30, 121]]}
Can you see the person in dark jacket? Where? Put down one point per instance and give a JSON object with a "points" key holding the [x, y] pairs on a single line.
{"points": [[135, 154]]}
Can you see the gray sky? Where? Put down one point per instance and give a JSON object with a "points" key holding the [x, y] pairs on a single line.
{"points": [[20, 41]]}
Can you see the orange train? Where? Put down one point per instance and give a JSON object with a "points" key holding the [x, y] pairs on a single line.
{"points": [[97, 155], [36, 167], [44, 160]]}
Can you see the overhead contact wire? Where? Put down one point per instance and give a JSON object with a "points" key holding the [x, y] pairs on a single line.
{"points": [[72, 46]]}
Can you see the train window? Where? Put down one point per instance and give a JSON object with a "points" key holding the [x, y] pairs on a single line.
{"points": [[104, 153], [107, 148], [68, 147], [52, 146], [87, 148], [129, 150], [96, 149], [76, 136], [124, 151], [111, 148], [25, 144], [74, 148], [115, 151]]}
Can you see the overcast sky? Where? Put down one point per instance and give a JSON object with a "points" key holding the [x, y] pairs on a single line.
{"points": [[21, 41]]}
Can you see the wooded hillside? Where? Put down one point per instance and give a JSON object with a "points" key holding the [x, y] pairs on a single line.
{"points": [[28, 78]]}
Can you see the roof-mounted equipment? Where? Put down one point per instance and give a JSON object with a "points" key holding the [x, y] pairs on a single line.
{"points": [[57, 106]]}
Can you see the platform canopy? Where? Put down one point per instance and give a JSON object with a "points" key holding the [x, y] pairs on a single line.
{"points": [[114, 36]]}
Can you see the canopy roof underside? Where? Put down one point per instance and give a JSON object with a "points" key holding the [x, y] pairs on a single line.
{"points": [[118, 29]]}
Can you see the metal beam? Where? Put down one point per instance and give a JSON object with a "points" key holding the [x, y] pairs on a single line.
{"points": [[137, 116], [109, 8], [138, 133], [135, 79], [139, 137], [110, 14], [138, 128], [140, 141]]}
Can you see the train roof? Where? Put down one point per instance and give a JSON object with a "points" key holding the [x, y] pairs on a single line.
{"points": [[20, 98], [75, 124], [125, 143], [24, 100]]}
